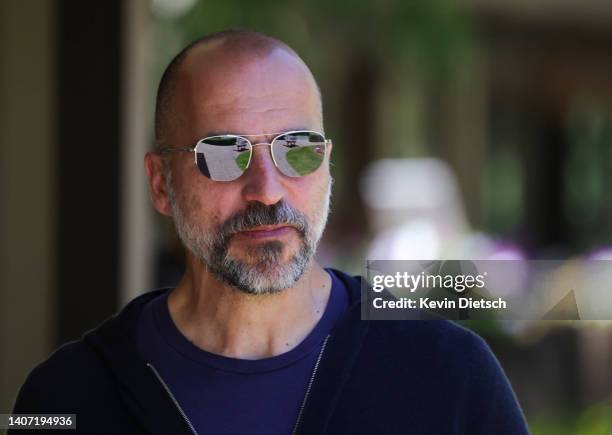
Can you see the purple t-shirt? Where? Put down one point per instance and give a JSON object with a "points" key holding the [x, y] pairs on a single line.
{"points": [[222, 395]]}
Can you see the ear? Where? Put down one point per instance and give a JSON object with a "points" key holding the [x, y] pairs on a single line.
{"points": [[154, 167], [328, 151]]}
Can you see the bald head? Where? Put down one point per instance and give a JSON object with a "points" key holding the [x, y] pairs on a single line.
{"points": [[219, 56]]}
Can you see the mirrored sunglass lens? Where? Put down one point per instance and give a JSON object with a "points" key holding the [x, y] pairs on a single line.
{"points": [[299, 153], [223, 158]]}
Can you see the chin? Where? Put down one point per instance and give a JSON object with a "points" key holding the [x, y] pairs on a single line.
{"points": [[272, 271], [265, 256]]}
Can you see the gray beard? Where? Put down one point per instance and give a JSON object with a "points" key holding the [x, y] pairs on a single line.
{"points": [[265, 273]]}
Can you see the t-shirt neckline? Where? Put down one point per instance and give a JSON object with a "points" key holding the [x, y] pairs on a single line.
{"points": [[172, 335]]}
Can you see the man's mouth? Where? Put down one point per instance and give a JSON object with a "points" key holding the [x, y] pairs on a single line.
{"points": [[267, 231]]}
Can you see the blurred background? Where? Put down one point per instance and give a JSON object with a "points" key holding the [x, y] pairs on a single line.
{"points": [[462, 129]]}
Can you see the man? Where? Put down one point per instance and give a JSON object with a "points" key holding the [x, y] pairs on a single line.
{"points": [[257, 338]]}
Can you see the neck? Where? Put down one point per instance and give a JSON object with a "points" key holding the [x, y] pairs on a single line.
{"points": [[225, 321]]}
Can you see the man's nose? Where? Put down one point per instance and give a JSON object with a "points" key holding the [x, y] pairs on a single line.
{"points": [[263, 181]]}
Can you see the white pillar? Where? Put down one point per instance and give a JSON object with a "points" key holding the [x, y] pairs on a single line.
{"points": [[136, 222]]}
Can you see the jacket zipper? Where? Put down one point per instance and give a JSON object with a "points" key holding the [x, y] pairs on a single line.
{"points": [[157, 375], [302, 406], [312, 378]]}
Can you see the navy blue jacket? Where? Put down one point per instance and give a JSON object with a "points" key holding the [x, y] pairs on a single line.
{"points": [[374, 377]]}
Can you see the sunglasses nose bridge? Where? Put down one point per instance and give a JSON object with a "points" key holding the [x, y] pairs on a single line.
{"points": [[268, 144], [261, 143]]}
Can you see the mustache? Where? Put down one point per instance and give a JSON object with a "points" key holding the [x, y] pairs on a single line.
{"points": [[258, 214]]}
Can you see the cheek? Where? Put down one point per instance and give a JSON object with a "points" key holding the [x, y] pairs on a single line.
{"points": [[195, 190], [192, 203], [199, 207], [208, 203], [310, 192]]}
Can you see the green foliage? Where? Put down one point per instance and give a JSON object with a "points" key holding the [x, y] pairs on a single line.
{"points": [[304, 159], [595, 420], [587, 170], [503, 191], [430, 33], [242, 160], [486, 328]]}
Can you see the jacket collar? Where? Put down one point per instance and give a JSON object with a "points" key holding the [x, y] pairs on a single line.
{"points": [[143, 394], [337, 362], [114, 341]]}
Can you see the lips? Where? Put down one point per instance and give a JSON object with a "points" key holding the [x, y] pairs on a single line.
{"points": [[267, 231]]}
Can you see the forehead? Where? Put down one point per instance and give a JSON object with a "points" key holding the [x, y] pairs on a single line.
{"points": [[222, 90]]}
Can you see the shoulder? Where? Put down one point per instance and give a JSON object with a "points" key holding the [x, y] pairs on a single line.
{"points": [[442, 338], [82, 374], [429, 366], [444, 334], [63, 380], [453, 362], [449, 342]]}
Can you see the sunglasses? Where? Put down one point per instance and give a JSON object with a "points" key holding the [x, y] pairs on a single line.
{"points": [[225, 157]]}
